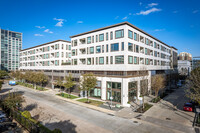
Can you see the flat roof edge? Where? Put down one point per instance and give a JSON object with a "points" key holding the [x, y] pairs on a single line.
{"points": [[45, 44]]}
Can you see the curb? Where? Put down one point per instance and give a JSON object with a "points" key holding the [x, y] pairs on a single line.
{"points": [[88, 106]]}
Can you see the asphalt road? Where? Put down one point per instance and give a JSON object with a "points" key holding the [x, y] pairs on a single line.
{"points": [[93, 117]]}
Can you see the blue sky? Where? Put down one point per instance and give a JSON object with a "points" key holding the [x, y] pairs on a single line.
{"points": [[175, 22]]}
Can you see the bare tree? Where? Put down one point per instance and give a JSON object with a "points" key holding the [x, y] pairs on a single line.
{"points": [[144, 83], [157, 83], [193, 85]]}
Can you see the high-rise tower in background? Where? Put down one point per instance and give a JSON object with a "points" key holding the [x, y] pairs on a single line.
{"points": [[10, 45]]}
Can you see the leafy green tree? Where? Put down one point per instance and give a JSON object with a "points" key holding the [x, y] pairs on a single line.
{"points": [[3, 73], [59, 82], [88, 82], [41, 78], [69, 82], [193, 85], [13, 100]]}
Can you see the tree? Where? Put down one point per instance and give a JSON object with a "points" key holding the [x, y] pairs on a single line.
{"points": [[193, 85], [59, 82], [3, 73], [144, 83], [13, 100], [69, 82], [40, 78], [157, 83], [88, 82]]}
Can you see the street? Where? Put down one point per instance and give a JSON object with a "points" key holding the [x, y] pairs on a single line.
{"points": [[74, 118]]}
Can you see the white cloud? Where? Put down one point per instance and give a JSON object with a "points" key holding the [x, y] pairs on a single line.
{"points": [[152, 4], [48, 31], [130, 14], [195, 11], [124, 18], [60, 22], [159, 29], [40, 27], [38, 35], [116, 17], [79, 22], [140, 3], [148, 11]]}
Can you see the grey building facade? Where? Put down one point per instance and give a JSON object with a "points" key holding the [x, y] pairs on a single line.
{"points": [[10, 45]]}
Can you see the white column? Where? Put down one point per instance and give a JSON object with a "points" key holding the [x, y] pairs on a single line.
{"points": [[103, 88], [124, 92], [138, 88]]}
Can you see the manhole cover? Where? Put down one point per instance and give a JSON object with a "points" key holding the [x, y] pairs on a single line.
{"points": [[135, 122], [168, 118]]}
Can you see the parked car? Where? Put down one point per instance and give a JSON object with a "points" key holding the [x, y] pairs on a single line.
{"points": [[188, 107], [5, 120], [12, 83]]}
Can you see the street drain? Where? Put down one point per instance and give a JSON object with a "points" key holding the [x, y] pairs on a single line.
{"points": [[135, 122], [168, 118]]}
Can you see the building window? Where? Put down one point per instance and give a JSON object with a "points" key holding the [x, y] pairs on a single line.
{"points": [[119, 59], [89, 61], [147, 41], [155, 53], [88, 40], [111, 59], [57, 54], [154, 44], [145, 51], [130, 34], [102, 48], [101, 60], [147, 61], [122, 47], [73, 52], [130, 59], [106, 36], [106, 59], [47, 48], [91, 50], [101, 37], [115, 47], [130, 47], [56, 62], [96, 38], [69, 47], [70, 55], [106, 47], [135, 36], [98, 49], [96, 60], [137, 48], [119, 34], [75, 61], [135, 60], [111, 35], [92, 39]]}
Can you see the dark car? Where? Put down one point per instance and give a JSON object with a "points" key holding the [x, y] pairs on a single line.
{"points": [[188, 107]]}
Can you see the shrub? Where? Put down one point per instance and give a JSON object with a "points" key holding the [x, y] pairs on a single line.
{"points": [[40, 88], [57, 130], [156, 99], [26, 114]]}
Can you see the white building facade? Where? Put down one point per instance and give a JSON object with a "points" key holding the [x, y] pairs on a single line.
{"points": [[121, 56]]}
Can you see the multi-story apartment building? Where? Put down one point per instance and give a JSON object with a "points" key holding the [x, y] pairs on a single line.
{"points": [[122, 57], [47, 55], [10, 45]]}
